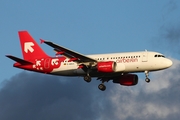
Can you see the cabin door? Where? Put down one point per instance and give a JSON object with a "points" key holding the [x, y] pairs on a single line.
{"points": [[145, 56]]}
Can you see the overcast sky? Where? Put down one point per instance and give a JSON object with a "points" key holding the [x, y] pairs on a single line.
{"points": [[90, 27]]}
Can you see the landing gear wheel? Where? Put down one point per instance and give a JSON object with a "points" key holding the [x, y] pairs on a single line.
{"points": [[147, 80], [147, 74], [87, 78], [102, 87]]}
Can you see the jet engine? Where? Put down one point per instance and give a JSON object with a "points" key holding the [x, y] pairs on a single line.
{"points": [[106, 67], [126, 80]]}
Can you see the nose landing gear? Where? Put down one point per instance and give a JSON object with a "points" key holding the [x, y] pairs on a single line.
{"points": [[147, 74], [147, 80]]}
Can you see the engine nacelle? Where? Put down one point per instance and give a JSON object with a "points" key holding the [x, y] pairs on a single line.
{"points": [[106, 67], [127, 80]]}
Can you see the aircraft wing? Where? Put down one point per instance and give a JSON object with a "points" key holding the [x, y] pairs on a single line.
{"points": [[74, 56]]}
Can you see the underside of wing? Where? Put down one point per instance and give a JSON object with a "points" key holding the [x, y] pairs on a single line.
{"points": [[74, 56]]}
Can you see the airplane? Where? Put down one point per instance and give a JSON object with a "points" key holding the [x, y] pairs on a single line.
{"points": [[118, 67]]}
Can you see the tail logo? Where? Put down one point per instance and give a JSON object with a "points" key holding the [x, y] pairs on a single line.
{"points": [[28, 47]]}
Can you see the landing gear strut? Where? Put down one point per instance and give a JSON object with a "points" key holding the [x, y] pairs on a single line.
{"points": [[87, 77], [147, 74]]}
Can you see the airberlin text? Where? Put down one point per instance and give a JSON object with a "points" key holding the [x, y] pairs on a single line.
{"points": [[127, 60]]}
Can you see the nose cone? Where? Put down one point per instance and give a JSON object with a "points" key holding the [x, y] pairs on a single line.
{"points": [[168, 63]]}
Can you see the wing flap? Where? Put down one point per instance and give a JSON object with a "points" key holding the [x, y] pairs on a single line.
{"points": [[59, 52]]}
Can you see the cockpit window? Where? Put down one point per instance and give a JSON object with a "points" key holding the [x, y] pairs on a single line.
{"points": [[159, 56]]}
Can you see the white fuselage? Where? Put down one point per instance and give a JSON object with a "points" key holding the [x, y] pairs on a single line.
{"points": [[126, 62]]}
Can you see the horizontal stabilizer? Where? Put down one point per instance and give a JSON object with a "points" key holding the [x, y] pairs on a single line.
{"points": [[19, 60]]}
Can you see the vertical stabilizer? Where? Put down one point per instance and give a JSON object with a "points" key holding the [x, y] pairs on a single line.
{"points": [[30, 49]]}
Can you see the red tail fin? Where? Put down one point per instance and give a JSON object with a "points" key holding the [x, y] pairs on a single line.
{"points": [[30, 49]]}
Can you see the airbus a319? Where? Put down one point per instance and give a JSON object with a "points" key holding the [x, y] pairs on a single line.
{"points": [[118, 67]]}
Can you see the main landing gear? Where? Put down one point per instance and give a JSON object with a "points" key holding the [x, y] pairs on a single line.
{"points": [[102, 87], [147, 74], [87, 78]]}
